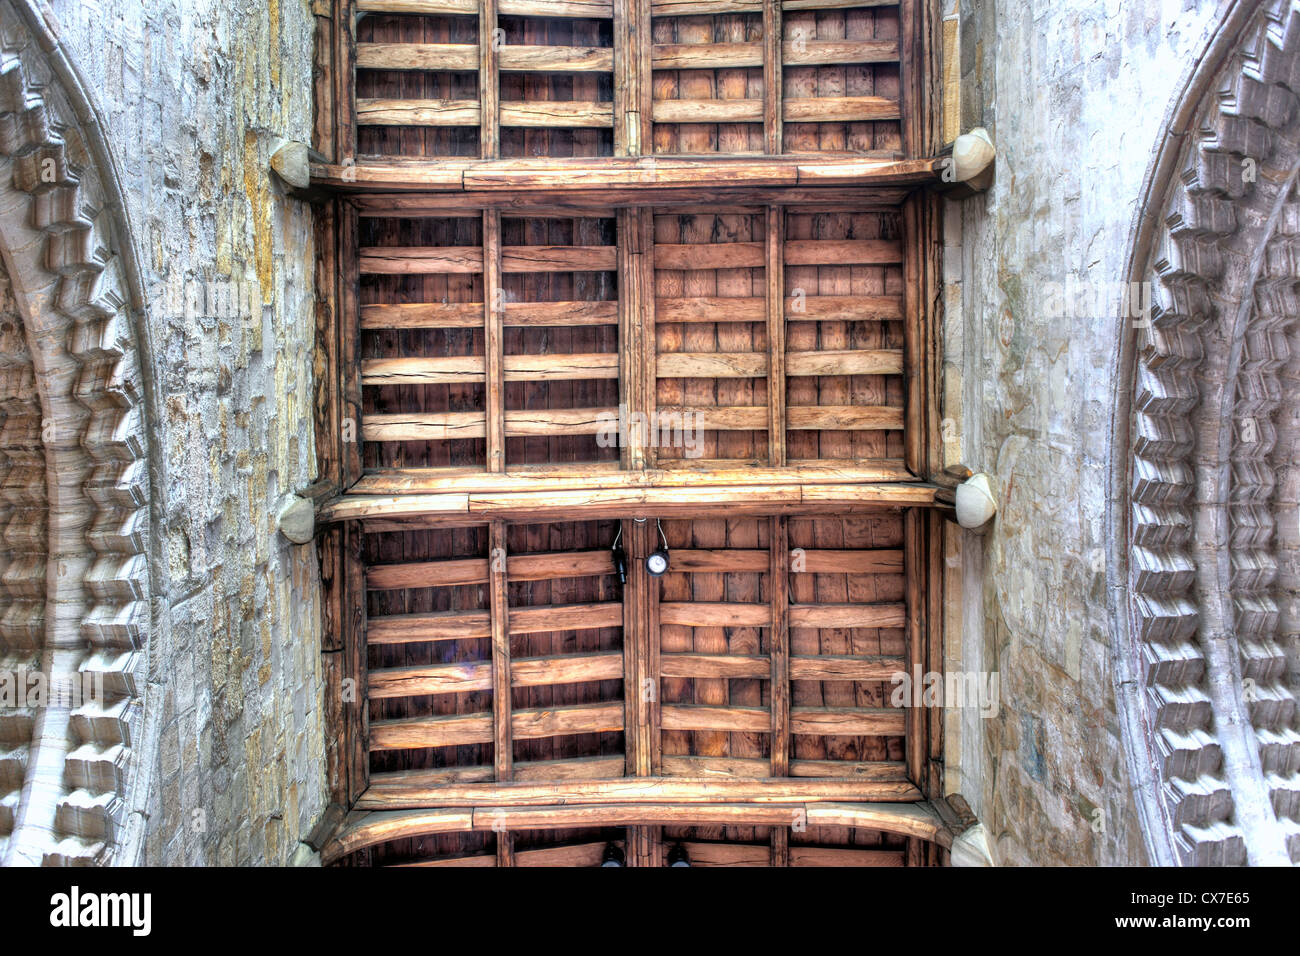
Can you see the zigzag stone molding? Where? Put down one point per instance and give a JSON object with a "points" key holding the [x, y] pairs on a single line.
{"points": [[75, 584], [1205, 422]]}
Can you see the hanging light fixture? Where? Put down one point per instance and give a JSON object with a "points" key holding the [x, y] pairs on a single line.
{"points": [[677, 856], [656, 563], [613, 856], [620, 556]]}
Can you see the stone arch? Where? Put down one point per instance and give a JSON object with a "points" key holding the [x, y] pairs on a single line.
{"points": [[1202, 575], [77, 488]]}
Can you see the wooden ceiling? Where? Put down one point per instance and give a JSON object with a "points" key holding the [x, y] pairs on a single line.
{"points": [[540, 222]]}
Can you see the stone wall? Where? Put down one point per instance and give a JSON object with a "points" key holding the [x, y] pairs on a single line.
{"points": [[1074, 93], [194, 96]]}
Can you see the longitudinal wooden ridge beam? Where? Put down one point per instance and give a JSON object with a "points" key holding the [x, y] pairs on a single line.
{"points": [[366, 828], [666, 790], [624, 177]]}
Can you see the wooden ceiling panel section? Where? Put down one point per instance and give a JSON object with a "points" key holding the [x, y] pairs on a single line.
{"points": [[598, 277]]}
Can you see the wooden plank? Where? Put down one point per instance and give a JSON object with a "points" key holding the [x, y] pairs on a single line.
{"points": [[392, 112], [838, 667], [715, 717], [711, 365], [847, 721], [558, 59], [883, 561], [559, 259], [704, 256], [843, 856], [554, 566], [914, 551], [842, 252], [848, 615], [565, 617], [560, 314], [830, 52], [367, 828], [564, 721], [713, 614], [779, 547], [426, 7], [499, 608], [489, 83], [349, 352], [708, 111], [779, 851], [566, 669], [586, 9], [430, 626], [844, 308], [458, 678], [716, 767], [718, 559], [559, 421], [422, 371], [706, 56], [881, 770], [722, 418], [695, 8], [421, 260], [439, 426], [541, 114], [669, 791], [843, 417], [725, 854], [493, 343], [421, 732], [839, 109], [714, 666], [415, 781], [417, 56], [845, 362], [545, 368], [776, 373], [711, 309], [422, 315], [773, 78]]}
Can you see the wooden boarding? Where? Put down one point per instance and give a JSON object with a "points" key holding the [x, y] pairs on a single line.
{"points": [[654, 271]]}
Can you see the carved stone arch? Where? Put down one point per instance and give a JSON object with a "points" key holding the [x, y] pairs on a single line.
{"points": [[75, 594], [1202, 509]]}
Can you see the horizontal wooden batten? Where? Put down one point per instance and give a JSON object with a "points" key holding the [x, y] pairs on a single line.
{"points": [[831, 52], [842, 252], [883, 561], [751, 720], [452, 260], [828, 667], [431, 626], [692, 8], [711, 365], [714, 666], [708, 111], [418, 56], [724, 560], [716, 255], [470, 315], [843, 417], [848, 721], [839, 109], [462, 508], [579, 768], [441, 426], [364, 828], [847, 615], [714, 614], [705, 56], [618, 181], [557, 59], [611, 792], [565, 617], [519, 567], [711, 309], [844, 856], [844, 308], [598, 9], [416, 733], [832, 362], [518, 368], [393, 112], [538, 114], [465, 677]]}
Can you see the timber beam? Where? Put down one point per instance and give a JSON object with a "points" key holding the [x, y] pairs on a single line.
{"points": [[368, 828]]}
